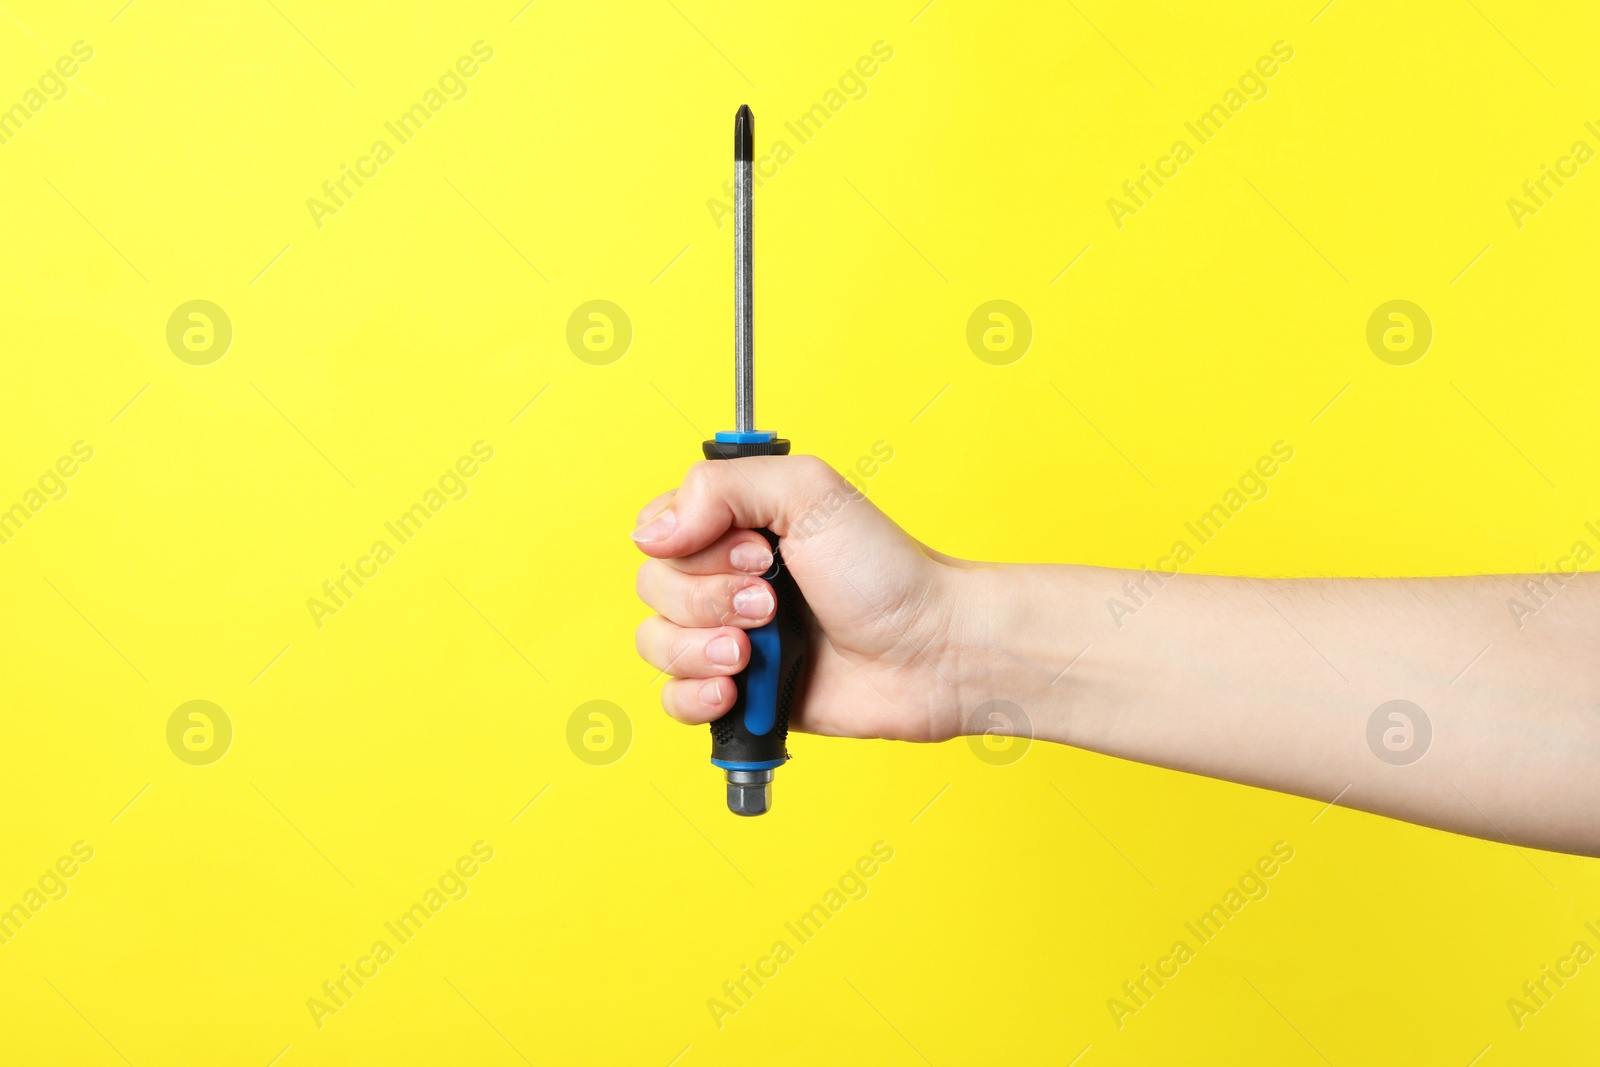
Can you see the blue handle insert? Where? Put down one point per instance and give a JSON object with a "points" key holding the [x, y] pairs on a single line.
{"points": [[761, 680]]}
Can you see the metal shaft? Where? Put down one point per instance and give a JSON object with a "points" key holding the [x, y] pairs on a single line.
{"points": [[744, 391]]}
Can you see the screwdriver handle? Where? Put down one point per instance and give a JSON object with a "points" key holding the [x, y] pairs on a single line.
{"points": [[752, 736]]}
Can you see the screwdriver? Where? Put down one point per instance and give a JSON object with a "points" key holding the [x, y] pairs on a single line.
{"points": [[749, 742]]}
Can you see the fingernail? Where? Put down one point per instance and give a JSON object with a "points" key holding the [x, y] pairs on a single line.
{"points": [[753, 602], [751, 558], [711, 693], [657, 529], [723, 650]]}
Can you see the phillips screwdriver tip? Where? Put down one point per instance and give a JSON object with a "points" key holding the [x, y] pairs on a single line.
{"points": [[744, 135]]}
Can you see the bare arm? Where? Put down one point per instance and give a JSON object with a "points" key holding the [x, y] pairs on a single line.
{"points": [[1286, 684], [1420, 699]]}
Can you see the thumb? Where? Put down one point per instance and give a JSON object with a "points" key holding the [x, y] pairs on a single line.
{"points": [[789, 495]]}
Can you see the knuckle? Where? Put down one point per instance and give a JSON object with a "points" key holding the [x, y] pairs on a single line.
{"points": [[701, 476], [711, 599], [680, 702], [815, 472], [821, 493], [677, 648]]}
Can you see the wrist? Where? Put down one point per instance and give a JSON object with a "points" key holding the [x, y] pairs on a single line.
{"points": [[1020, 635]]}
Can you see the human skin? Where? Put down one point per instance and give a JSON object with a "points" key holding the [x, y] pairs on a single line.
{"points": [[1266, 682]]}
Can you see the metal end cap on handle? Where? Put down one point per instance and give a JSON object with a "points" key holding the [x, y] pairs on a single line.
{"points": [[749, 792]]}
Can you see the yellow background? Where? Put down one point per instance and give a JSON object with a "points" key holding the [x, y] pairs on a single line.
{"points": [[370, 353]]}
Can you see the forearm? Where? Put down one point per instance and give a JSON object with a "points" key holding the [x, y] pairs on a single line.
{"points": [[1274, 683]]}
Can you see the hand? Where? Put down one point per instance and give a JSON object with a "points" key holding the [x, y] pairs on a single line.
{"points": [[880, 611]]}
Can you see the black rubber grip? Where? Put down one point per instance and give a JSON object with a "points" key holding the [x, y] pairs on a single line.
{"points": [[784, 643]]}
